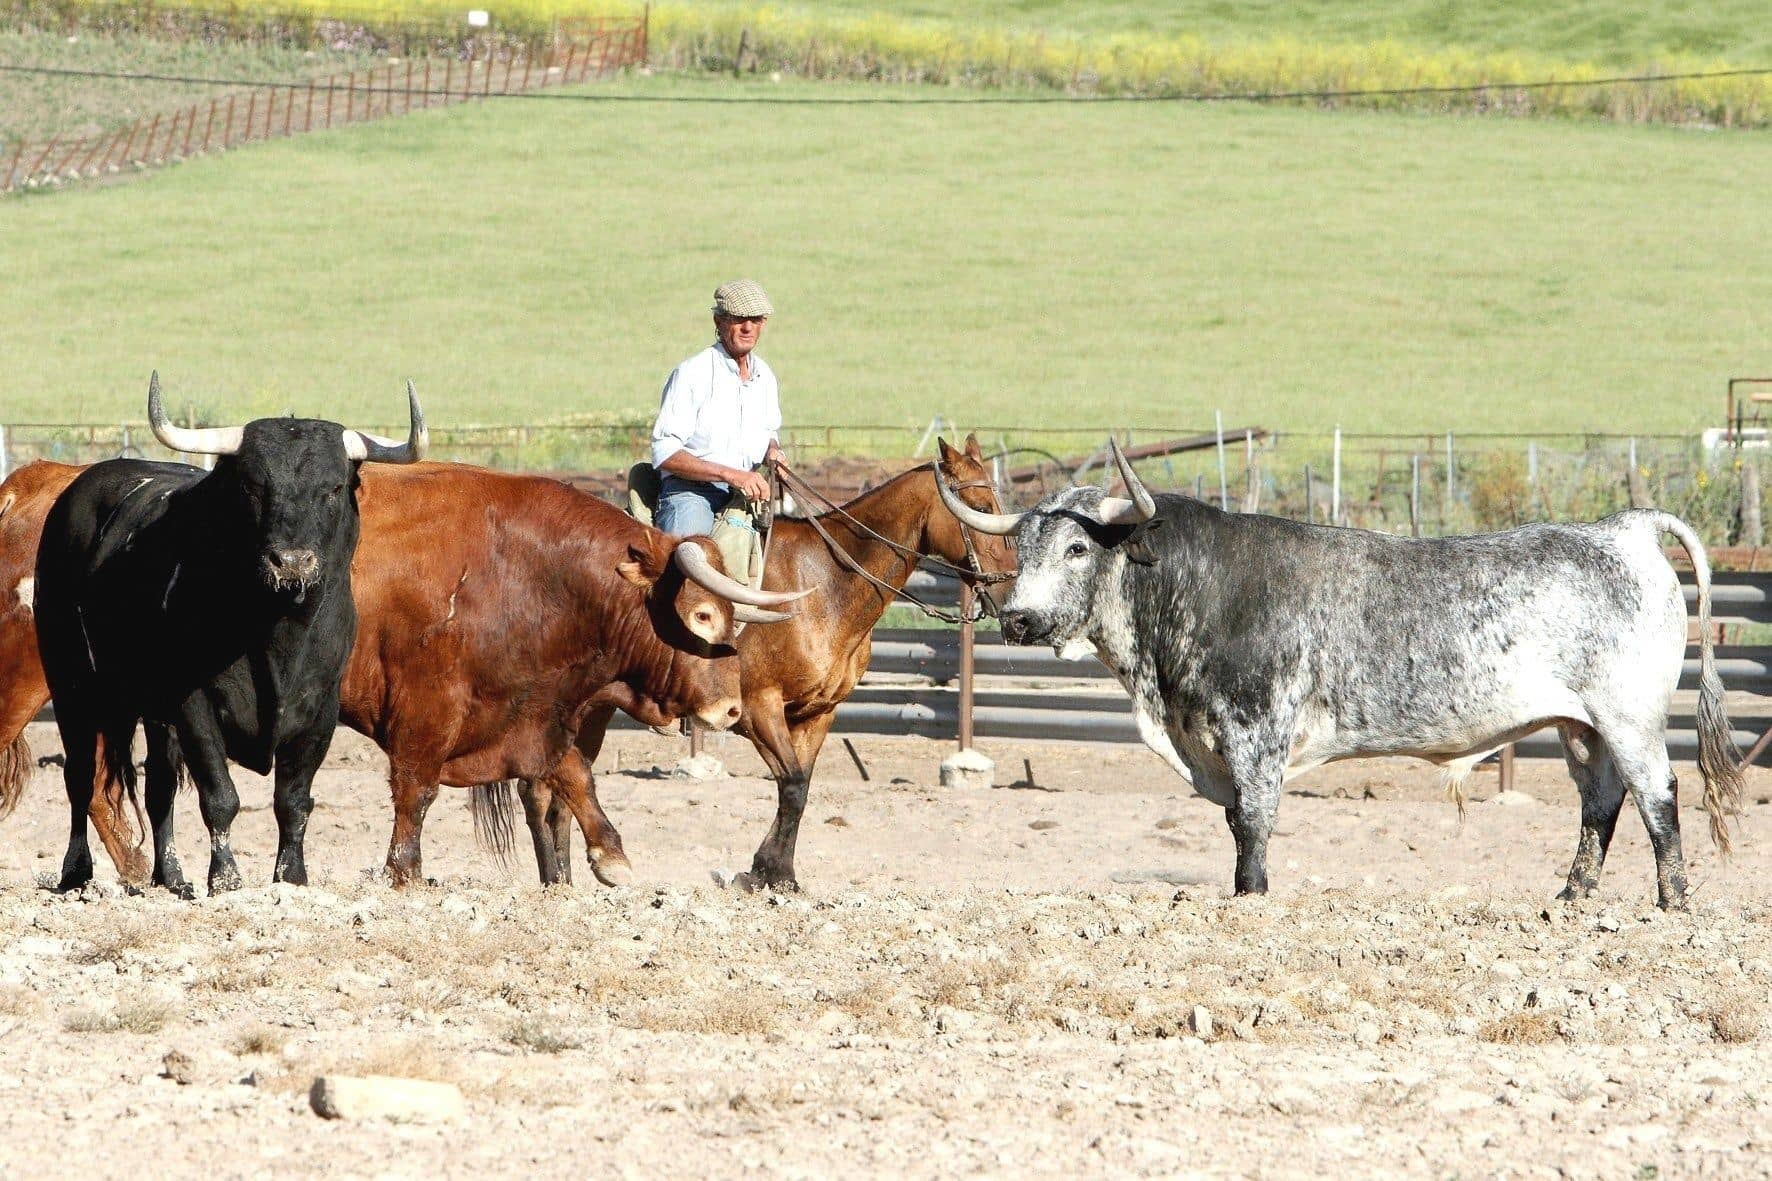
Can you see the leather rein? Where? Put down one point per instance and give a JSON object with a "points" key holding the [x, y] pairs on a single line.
{"points": [[973, 573]]}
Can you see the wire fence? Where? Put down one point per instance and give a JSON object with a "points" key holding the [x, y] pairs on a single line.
{"points": [[278, 110], [1428, 483]]}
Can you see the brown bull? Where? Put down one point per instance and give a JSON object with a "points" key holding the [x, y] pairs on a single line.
{"points": [[796, 674], [500, 618]]}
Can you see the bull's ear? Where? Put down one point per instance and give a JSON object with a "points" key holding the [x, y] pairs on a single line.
{"points": [[645, 563], [6, 502], [1138, 547], [948, 454], [973, 449]]}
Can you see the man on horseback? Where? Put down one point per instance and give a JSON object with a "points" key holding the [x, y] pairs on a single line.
{"points": [[718, 418]]}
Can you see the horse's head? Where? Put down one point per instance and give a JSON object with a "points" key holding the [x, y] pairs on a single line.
{"points": [[968, 476]]}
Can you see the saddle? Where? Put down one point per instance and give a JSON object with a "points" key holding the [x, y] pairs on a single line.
{"points": [[738, 528]]}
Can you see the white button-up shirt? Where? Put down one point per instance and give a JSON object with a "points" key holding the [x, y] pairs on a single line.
{"points": [[707, 411]]}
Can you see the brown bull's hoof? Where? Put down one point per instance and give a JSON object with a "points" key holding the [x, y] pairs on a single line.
{"points": [[611, 868]]}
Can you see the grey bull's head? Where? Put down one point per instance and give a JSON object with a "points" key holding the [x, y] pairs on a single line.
{"points": [[1063, 546]]}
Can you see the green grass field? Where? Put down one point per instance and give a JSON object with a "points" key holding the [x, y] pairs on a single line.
{"points": [[1042, 265]]}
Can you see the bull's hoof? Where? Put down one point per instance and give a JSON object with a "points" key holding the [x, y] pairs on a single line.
{"points": [[612, 869], [755, 883], [1675, 904], [72, 882], [224, 880]]}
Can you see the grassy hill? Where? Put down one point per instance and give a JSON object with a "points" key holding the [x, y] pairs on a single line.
{"points": [[999, 265]]}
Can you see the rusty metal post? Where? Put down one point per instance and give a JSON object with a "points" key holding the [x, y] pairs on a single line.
{"points": [[251, 110], [350, 96], [1507, 767], [645, 32], [966, 666], [190, 133], [448, 76], [85, 161], [407, 109], [694, 740]]}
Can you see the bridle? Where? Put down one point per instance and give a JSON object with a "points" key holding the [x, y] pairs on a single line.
{"points": [[973, 573]]}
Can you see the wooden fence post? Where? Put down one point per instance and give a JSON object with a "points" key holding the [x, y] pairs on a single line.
{"points": [[190, 132], [85, 161], [208, 123], [350, 96], [1751, 532], [407, 109], [448, 73], [228, 127], [47, 148], [426, 84], [966, 665], [251, 106]]}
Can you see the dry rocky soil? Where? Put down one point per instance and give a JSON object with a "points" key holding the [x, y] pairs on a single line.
{"points": [[1039, 979]]}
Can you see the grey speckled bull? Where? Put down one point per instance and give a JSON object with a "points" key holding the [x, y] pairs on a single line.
{"points": [[1255, 648]]}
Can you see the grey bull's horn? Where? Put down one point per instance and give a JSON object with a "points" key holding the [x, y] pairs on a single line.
{"points": [[1117, 511], [218, 440], [999, 524], [692, 560], [368, 448]]}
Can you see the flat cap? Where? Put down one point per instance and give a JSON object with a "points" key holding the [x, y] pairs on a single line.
{"points": [[742, 297]]}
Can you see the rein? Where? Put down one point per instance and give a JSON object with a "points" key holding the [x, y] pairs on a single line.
{"points": [[975, 575]]}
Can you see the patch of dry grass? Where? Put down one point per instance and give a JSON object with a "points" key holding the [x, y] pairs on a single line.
{"points": [[259, 1039], [137, 1016], [1737, 1018], [109, 944], [1523, 1028], [751, 1013], [542, 1037]]}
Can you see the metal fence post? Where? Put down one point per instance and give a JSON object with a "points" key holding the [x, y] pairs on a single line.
{"points": [[1224, 487], [1507, 767], [1335, 482]]}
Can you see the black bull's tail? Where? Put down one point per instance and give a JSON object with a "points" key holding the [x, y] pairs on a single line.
{"points": [[494, 811]]}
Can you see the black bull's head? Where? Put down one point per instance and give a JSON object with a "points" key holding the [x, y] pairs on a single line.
{"points": [[288, 483]]}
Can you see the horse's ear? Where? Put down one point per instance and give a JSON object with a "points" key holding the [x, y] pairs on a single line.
{"points": [[948, 454], [973, 449], [646, 561]]}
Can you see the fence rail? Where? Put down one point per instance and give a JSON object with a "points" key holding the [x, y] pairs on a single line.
{"points": [[1080, 701], [294, 108]]}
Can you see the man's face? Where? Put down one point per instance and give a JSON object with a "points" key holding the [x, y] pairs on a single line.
{"points": [[739, 333]]}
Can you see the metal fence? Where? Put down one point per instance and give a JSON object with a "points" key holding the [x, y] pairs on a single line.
{"points": [[1034, 694], [293, 108]]}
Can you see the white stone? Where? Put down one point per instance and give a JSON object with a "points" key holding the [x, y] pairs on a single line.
{"points": [[1200, 1021], [376, 1096], [967, 768], [699, 767], [1514, 799]]}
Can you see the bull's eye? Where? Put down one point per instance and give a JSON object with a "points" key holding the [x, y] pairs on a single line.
{"points": [[704, 617], [1075, 549]]}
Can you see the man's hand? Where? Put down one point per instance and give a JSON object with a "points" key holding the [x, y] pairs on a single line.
{"points": [[753, 485], [775, 457]]}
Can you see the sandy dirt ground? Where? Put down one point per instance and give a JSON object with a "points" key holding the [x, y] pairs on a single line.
{"points": [[1042, 979]]}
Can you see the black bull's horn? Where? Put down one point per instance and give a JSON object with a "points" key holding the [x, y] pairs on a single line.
{"points": [[226, 440]]}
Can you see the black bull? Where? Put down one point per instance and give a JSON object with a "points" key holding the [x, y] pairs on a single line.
{"points": [[215, 608]]}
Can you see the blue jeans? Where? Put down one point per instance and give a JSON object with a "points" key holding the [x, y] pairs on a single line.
{"points": [[686, 508]]}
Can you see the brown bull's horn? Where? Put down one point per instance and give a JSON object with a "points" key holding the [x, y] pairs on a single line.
{"points": [[1142, 507], [999, 524], [219, 440], [692, 560], [744, 614], [368, 448]]}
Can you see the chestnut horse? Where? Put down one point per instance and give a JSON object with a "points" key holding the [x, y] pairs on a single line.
{"points": [[796, 674]]}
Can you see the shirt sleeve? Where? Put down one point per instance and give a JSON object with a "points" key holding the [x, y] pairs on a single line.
{"points": [[773, 419], [676, 416]]}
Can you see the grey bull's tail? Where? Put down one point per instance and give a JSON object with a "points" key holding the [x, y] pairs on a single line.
{"points": [[15, 773], [1719, 761]]}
